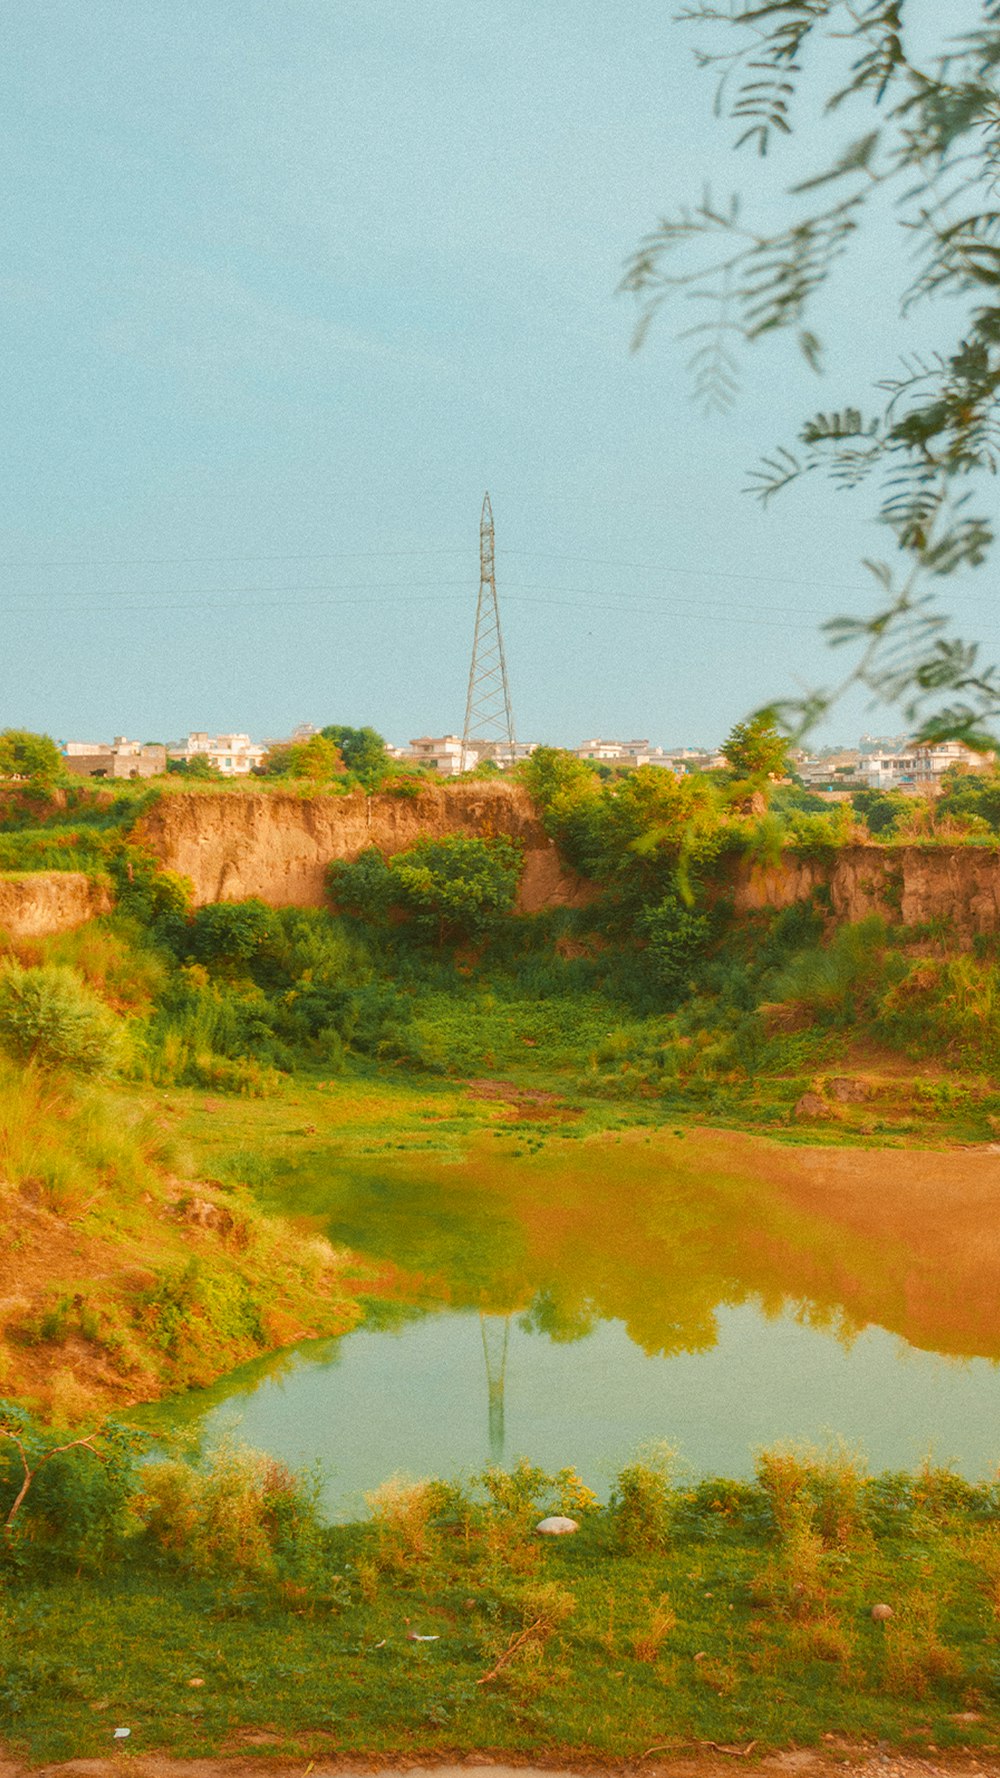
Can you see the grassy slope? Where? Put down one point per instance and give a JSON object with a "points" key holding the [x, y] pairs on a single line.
{"points": [[734, 1632], [123, 1279]]}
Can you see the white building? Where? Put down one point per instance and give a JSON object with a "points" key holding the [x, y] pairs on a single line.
{"points": [[119, 758], [921, 766], [624, 753], [448, 754], [233, 756]]}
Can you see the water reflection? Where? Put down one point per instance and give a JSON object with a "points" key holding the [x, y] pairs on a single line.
{"points": [[495, 1330], [662, 1237], [570, 1304]]}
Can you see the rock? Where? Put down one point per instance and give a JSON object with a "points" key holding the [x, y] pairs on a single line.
{"points": [[811, 1105], [880, 1613], [557, 1526], [847, 1092], [203, 1214]]}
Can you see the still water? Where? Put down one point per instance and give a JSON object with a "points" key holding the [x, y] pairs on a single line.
{"points": [[573, 1305]]}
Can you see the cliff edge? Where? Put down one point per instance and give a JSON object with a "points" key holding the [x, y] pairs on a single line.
{"points": [[277, 845]]}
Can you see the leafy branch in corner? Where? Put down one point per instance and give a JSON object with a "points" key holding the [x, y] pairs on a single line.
{"points": [[931, 163]]}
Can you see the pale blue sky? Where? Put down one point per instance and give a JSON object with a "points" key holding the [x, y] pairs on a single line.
{"points": [[287, 284]]}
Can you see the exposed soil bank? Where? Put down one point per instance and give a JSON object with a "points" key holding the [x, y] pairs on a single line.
{"points": [[909, 885], [278, 846], [49, 901]]}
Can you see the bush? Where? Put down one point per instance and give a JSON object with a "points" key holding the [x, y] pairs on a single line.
{"points": [[676, 936], [644, 1499], [228, 935], [453, 888], [76, 1510], [457, 887], [243, 1515], [49, 1017]]}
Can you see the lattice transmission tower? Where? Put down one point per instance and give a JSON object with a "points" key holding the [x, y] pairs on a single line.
{"points": [[489, 722]]}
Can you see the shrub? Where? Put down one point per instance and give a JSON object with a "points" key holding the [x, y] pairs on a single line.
{"points": [[676, 936], [403, 1514], [362, 886], [49, 1017], [457, 887], [76, 1507], [824, 1489], [228, 935], [644, 1500], [241, 1514]]}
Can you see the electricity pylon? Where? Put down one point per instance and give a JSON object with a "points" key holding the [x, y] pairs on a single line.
{"points": [[489, 724]]}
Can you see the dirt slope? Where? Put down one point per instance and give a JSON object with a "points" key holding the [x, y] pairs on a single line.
{"points": [[49, 901], [278, 846]]}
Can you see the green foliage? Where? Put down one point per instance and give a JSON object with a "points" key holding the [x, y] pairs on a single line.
{"points": [[51, 1019], [199, 767], [318, 759], [26, 755], [644, 1500], [143, 889], [228, 935], [76, 1511], [677, 938], [56, 846], [457, 887], [363, 887], [838, 981], [363, 752], [240, 1514], [973, 793], [882, 810], [556, 779], [755, 749], [453, 888], [927, 162]]}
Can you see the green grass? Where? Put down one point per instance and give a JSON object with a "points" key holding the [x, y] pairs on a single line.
{"points": [[740, 1628]]}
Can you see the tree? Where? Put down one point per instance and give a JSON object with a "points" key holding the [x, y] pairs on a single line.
{"points": [[930, 157], [755, 749], [363, 751], [318, 759], [26, 755], [458, 887], [198, 766]]}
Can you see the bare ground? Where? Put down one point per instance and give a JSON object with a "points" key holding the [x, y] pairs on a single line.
{"points": [[849, 1760]]}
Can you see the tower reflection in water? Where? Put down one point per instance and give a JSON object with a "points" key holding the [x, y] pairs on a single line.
{"points": [[495, 1330]]}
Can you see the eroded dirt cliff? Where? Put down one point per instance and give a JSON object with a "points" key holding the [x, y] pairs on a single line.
{"points": [[49, 901], [277, 846], [908, 885]]}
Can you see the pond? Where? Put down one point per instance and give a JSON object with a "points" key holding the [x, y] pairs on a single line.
{"points": [[573, 1304]]}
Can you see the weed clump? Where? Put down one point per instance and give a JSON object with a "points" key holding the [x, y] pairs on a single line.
{"points": [[242, 1515], [644, 1501]]}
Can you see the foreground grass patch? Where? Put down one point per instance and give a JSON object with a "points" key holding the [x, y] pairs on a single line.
{"points": [[726, 1612]]}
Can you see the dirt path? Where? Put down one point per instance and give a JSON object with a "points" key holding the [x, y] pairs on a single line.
{"points": [[849, 1761]]}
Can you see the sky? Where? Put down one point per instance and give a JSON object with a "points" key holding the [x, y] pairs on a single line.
{"points": [[287, 285]]}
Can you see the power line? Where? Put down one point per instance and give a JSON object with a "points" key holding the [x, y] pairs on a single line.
{"points": [[349, 555], [684, 568]]}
